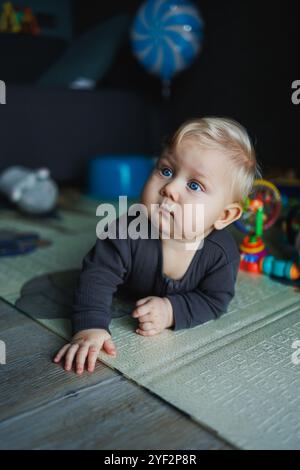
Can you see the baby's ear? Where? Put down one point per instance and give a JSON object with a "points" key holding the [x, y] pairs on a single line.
{"points": [[231, 213]]}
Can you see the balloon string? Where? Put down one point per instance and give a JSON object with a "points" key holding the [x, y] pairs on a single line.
{"points": [[166, 88]]}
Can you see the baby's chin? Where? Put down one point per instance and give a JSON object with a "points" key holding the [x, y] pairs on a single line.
{"points": [[186, 243], [171, 229]]}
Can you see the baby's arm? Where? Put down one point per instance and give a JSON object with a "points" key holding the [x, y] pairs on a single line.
{"points": [[104, 268], [208, 301]]}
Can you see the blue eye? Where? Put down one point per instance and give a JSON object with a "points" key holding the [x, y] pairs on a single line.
{"points": [[167, 172], [194, 186]]}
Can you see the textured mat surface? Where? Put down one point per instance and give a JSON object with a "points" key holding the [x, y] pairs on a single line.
{"points": [[234, 375]]}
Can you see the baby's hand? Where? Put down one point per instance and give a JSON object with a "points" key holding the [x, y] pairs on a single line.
{"points": [[155, 314], [86, 344]]}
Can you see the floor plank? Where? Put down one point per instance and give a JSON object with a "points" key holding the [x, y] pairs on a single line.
{"points": [[43, 407]]}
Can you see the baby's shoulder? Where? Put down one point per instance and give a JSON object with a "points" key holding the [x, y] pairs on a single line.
{"points": [[223, 244]]}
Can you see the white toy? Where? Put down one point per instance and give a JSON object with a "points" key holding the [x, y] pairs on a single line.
{"points": [[33, 191]]}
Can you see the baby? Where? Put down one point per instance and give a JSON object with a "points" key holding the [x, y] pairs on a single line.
{"points": [[177, 281]]}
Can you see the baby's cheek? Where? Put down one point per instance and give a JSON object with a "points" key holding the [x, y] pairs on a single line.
{"points": [[211, 212], [147, 194]]}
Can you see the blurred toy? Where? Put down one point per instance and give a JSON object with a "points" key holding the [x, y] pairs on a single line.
{"points": [[9, 22], [34, 192], [264, 194], [279, 268], [110, 176], [29, 23], [166, 36], [261, 211], [253, 248], [18, 20], [18, 243]]}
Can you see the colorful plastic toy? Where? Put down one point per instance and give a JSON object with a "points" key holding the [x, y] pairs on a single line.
{"points": [[266, 194], [279, 268], [9, 22], [110, 176], [29, 23], [18, 20], [253, 248], [261, 211]]}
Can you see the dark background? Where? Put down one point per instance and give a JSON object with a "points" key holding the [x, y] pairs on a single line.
{"points": [[248, 62]]}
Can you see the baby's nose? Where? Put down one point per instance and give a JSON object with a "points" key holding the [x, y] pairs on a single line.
{"points": [[171, 191]]}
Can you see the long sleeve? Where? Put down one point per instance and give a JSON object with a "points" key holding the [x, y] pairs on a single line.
{"points": [[104, 268], [209, 300]]}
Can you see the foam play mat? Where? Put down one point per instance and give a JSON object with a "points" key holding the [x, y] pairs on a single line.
{"points": [[234, 375]]}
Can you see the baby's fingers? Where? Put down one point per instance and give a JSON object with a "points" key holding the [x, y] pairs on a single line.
{"points": [[152, 332], [92, 357], [61, 352], [141, 310], [109, 347], [70, 355], [146, 326], [143, 301], [81, 357]]}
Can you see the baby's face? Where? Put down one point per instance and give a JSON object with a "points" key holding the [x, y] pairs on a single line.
{"points": [[185, 177]]}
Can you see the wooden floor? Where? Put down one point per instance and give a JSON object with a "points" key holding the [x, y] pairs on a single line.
{"points": [[44, 407]]}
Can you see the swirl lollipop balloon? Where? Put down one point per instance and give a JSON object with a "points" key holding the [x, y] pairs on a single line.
{"points": [[166, 37]]}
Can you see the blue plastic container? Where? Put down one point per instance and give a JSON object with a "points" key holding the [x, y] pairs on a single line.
{"points": [[111, 176]]}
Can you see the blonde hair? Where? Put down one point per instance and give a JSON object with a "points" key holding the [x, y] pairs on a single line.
{"points": [[230, 137]]}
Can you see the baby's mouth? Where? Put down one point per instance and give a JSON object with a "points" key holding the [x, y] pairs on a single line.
{"points": [[167, 209]]}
